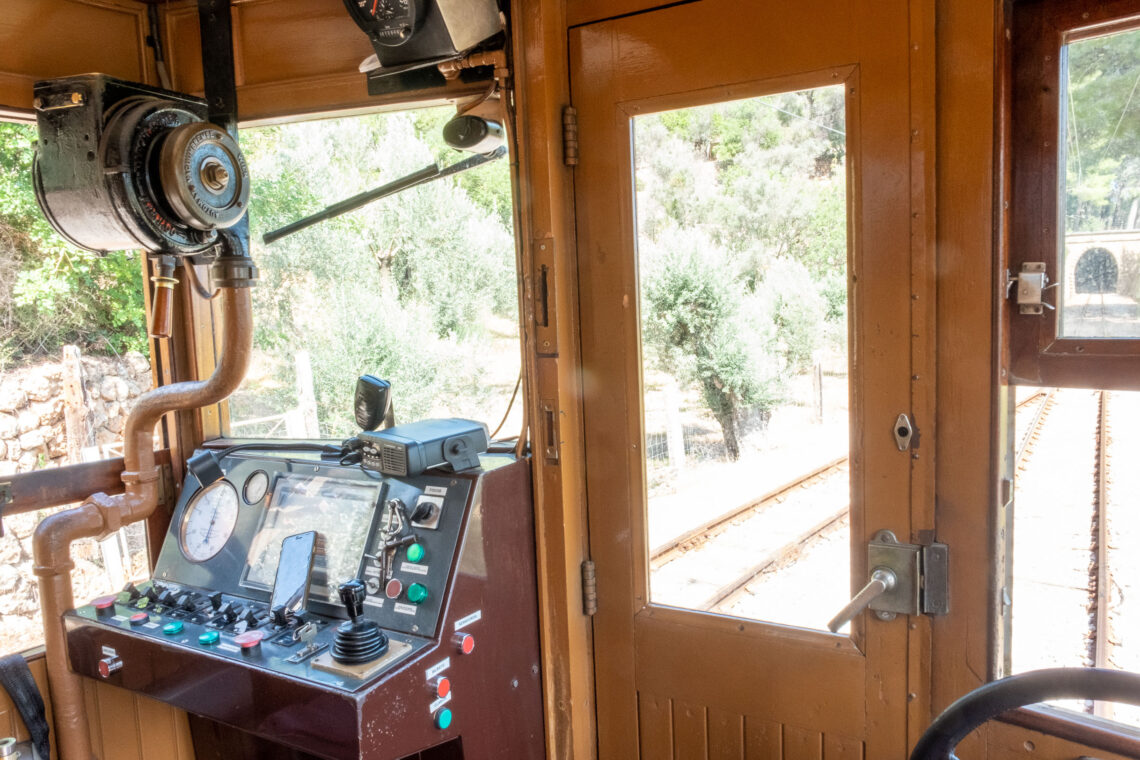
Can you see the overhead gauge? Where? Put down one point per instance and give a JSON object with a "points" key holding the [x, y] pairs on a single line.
{"points": [[255, 488], [388, 22], [209, 521]]}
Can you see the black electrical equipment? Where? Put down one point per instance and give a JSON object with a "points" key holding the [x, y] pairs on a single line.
{"points": [[473, 133], [121, 165], [407, 33], [408, 450], [373, 400]]}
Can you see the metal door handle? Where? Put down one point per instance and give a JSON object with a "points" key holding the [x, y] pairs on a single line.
{"points": [[883, 579]]}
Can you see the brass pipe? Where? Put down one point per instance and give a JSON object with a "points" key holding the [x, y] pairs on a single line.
{"points": [[495, 58], [101, 514]]}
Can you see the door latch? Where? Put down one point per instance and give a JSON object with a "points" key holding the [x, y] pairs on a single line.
{"points": [[1031, 283], [906, 579]]}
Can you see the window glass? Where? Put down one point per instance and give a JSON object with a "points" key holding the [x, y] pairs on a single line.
{"points": [[1076, 574], [419, 288], [68, 319], [742, 259], [1100, 252]]}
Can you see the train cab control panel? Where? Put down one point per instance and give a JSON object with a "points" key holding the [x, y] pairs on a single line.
{"points": [[336, 611]]}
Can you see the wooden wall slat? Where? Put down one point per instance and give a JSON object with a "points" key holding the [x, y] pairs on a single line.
{"points": [[40, 39], [802, 744], [726, 735], [118, 724], [291, 56], [837, 747], [763, 739], [655, 726], [690, 731]]}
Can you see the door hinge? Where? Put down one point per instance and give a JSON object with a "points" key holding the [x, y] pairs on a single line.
{"points": [[589, 588], [1030, 284], [570, 136]]}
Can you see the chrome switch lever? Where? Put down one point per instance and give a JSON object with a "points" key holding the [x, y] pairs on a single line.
{"points": [[883, 579]]}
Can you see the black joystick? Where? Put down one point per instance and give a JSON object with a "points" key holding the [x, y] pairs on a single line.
{"points": [[357, 640]]}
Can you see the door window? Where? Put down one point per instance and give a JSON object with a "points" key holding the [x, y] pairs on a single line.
{"points": [[1100, 142], [742, 267]]}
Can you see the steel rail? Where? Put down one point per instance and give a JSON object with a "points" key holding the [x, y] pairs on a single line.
{"points": [[663, 553], [727, 593], [1101, 578], [1034, 425]]}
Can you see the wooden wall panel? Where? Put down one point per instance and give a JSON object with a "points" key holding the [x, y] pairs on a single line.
{"points": [[726, 735], [291, 56], [588, 11], [123, 725], [690, 731], [52, 38], [126, 726], [684, 730]]}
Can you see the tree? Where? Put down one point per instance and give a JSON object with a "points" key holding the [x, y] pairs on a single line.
{"points": [[703, 333], [54, 293]]}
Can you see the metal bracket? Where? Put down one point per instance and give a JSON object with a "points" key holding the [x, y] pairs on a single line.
{"points": [[5, 500], [904, 432], [1031, 283], [922, 577]]}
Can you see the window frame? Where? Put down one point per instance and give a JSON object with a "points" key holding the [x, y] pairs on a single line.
{"points": [[1039, 356]]}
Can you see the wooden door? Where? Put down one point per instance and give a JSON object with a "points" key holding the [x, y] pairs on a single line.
{"points": [[674, 680]]}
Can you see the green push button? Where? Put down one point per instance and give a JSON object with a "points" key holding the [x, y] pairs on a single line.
{"points": [[208, 638], [443, 719], [416, 553], [417, 593], [172, 628]]}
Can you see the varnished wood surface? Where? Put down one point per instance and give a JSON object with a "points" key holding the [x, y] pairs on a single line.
{"points": [[544, 208], [124, 726], [667, 59], [40, 39]]}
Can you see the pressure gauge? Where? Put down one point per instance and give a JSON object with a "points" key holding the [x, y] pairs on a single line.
{"points": [[255, 487], [209, 521], [389, 23]]}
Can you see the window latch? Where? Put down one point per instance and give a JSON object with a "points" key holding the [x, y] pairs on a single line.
{"points": [[1030, 283]]}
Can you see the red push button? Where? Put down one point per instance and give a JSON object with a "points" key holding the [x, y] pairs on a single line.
{"points": [[104, 606], [441, 686], [464, 642], [139, 618], [250, 641], [109, 665], [394, 588]]}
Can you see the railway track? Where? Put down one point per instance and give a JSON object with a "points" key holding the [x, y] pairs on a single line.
{"points": [[1070, 493], [718, 585]]}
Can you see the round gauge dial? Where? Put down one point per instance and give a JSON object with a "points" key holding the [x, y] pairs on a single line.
{"points": [[209, 521], [388, 22], [255, 487]]}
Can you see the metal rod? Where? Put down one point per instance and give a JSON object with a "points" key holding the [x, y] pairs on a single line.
{"points": [[426, 174]]}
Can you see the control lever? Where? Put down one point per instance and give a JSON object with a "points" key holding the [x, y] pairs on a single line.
{"points": [[358, 639], [883, 579]]}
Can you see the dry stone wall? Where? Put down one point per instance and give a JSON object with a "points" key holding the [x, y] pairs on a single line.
{"points": [[33, 435]]}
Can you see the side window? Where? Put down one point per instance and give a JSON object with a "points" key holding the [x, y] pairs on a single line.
{"points": [[74, 356], [419, 288], [1076, 194], [1075, 127]]}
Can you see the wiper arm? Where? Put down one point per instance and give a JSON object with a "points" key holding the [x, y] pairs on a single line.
{"points": [[421, 177]]}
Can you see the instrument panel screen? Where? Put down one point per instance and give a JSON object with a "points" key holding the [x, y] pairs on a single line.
{"points": [[340, 511]]}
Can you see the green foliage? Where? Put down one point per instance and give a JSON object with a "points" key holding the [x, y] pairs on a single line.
{"points": [[404, 288], [742, 244], [1102, 137], [52, 292]]}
